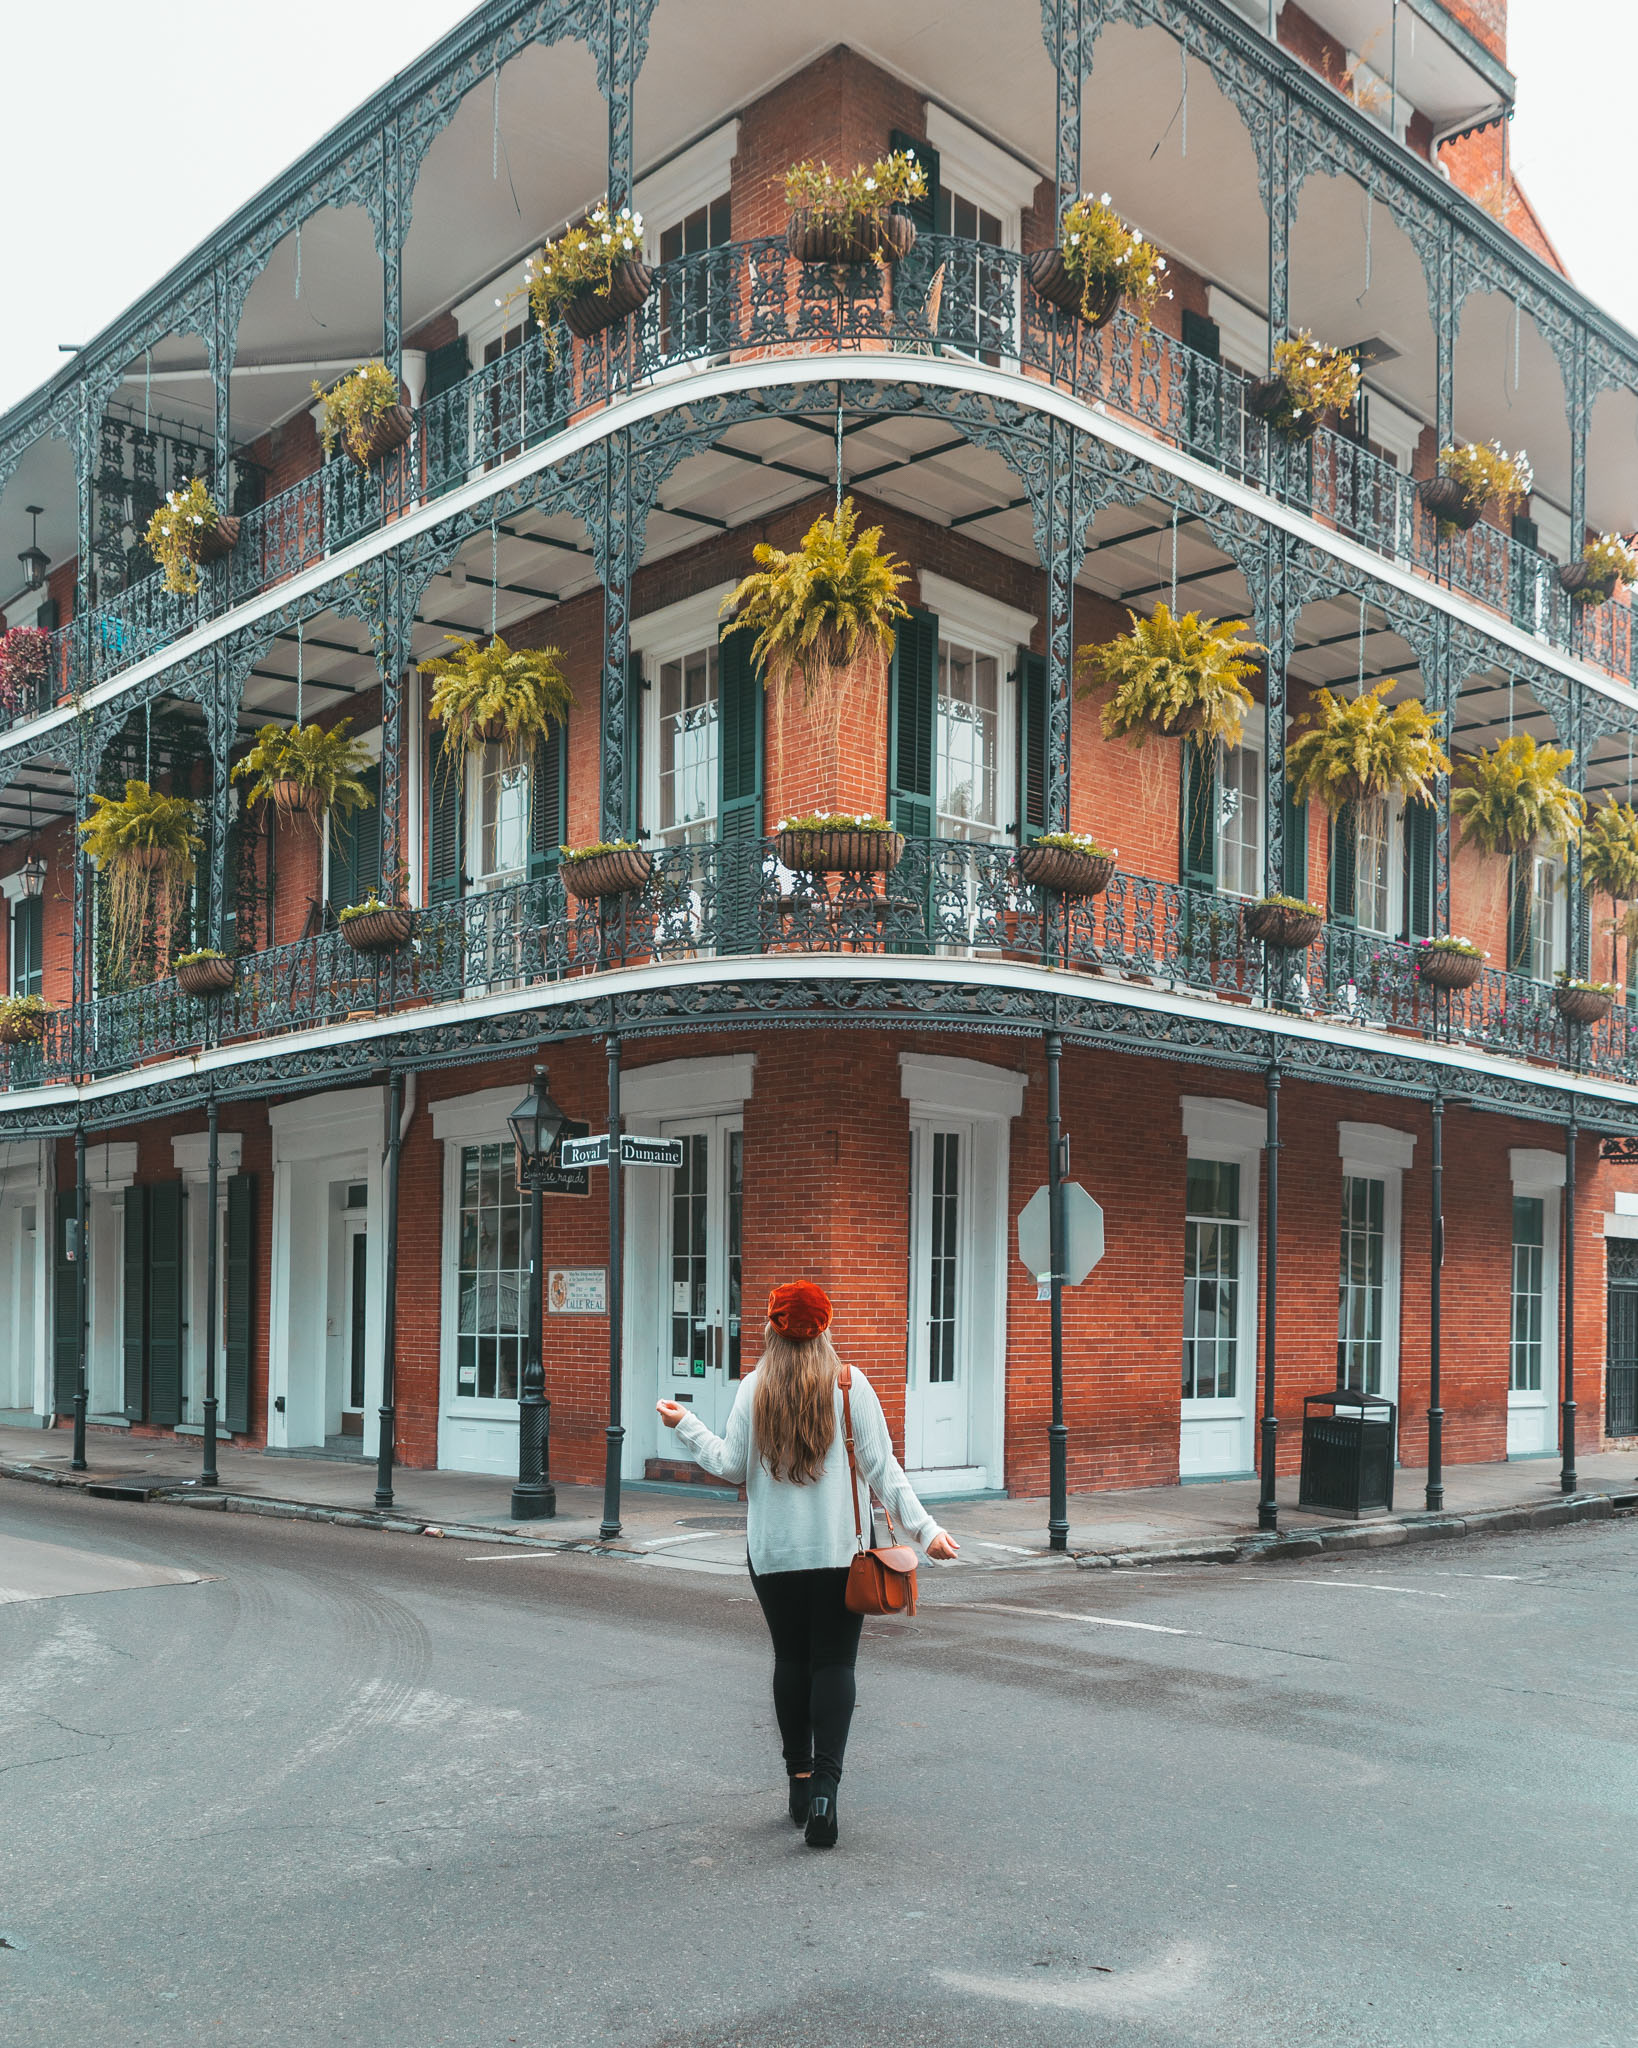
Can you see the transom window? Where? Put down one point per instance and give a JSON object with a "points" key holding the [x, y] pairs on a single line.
{"points": [[688, 740], [1529, 1295], [1362, 1284], [492, 1276], [1212, 1234], [969, 742]]}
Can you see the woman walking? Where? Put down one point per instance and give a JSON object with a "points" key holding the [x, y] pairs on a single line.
{"points": [[785, 1443]]}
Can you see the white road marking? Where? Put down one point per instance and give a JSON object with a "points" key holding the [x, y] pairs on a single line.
{"points": [[700, 1536], [1019, 1549], [1512, 1578], [508, 1556], [1152, 1628], [1370, 1586]]}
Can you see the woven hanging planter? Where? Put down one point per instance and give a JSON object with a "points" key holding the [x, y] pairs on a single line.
{"points": [[296, 802], [1278, 925], [589, 312], [387, 431], [378, 931], [1069, 869], [205, 977], [620, 873], [849, 853], [1439, 967], [1584, 586], [1268, 399], [219, 541], [1051, 280], [1583, 1005], [813, 237], [21, 1030], [1448, 500]]}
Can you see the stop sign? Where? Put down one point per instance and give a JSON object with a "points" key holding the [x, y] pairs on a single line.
{"points": [[1083, 1233]]}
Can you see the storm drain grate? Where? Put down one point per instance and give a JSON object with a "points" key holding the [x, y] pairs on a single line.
{"points": [[123, 1489]]}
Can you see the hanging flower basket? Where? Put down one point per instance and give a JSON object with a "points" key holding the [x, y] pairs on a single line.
{"points": [[1450, 501], [607, 871], [1586, 585], [219, 541], [1051, 280], [1445, 967], [381, 928], [1284, 923], [388, 431], [865, 848], [1267, 398], [1582, 1002], [816, 237], [1070, 870], [589, 312], [296, 801], [22, 1020], [209, 976]]}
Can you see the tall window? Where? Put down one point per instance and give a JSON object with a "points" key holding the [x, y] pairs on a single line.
{"points": [[976, 305], [1240, 821], [1211, 1281], [969, 742], [500, 814], [27, 924], [943, 1266], [1373, 900], [696, 300], [1362, 1284], [1546, 947], [1529, 1236], [492, 1276], [687, 752]]}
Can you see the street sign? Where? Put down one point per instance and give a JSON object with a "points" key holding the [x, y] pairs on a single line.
{"points": [[1083, 1233], [651, 1151], [553, 1177], [633, 1151]]}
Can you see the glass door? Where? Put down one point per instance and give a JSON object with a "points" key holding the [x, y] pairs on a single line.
{"points": [[702, 1356]]}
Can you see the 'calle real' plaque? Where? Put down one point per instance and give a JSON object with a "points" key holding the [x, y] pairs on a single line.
{"points": [[577, 1290]]}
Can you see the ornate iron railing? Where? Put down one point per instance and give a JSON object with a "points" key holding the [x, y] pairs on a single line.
{"points": [[951, 899], [950, 297]]}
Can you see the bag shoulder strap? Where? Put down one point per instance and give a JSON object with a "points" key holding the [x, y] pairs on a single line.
{"points": [[844, 1379]]}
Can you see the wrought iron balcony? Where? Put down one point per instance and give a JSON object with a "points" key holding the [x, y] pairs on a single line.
{"points": [[750, 300], [954, 900]]}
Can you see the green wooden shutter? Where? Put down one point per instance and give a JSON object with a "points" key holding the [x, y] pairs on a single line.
{"points": [[1296, 845], [27, 929], [1342, 893], [1032, 745], [1203, 385], [1521, 912], [548, 803], [65, 1310], [445, 831], [240, 1302], [165, 1302], [632, 814], [134, 1346], [1198, 857], [446, 366], [924, 211], [1421, 846], [355, 847], [739, 794], [912, 727]]}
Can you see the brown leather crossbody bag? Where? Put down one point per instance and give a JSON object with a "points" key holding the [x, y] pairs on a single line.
{"points": [[879, 1581]]}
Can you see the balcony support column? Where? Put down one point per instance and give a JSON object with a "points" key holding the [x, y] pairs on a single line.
{"points": [[1069, 41], [1580, 414], [1272, 606], [1268, 1507], [1567, 1477], [1444, 694], [1435, 1494], [392, 247], [1444, 336], [1279, 218], [1580, 923], [618, 803], [397, 619], [1064, 537], [626, 36]]}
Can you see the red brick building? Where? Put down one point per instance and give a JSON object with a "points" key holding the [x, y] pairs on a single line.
{"points": [[855, 1061]]}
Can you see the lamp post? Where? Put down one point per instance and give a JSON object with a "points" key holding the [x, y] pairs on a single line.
{"points": [[536, 1125]]}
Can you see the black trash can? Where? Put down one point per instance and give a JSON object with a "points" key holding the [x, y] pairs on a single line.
{"points": [[1347, 1452]]}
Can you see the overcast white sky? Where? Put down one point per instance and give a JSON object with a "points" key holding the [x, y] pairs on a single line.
{"points": [[129, 135]]}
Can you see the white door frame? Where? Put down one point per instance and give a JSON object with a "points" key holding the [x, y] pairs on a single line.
{"points": [[191, 1156], [109, 1171], [1375, 1152], [317, 1141], [1532, 1418], [666, 1092], [25, 1184], [985, 1098], [1218, 1128]]}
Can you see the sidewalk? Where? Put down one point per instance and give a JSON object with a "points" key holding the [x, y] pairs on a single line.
{"points": [[703, 1528]]}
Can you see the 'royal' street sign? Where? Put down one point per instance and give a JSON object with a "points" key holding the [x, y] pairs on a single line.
{"points": [[584, 1151], [633, 1151]]}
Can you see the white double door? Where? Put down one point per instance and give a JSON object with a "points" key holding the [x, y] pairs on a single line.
{"points": [[702, 1348]]}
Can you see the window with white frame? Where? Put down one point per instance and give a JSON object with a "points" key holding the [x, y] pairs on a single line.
{"points": [[678, 649], [498, 813], [1362, 1284], [686, 211], [977, 732], [491, 1276], [1240, 817], [1529, 1293], [1212, 1234], [1546, 948], [1376, 870]]}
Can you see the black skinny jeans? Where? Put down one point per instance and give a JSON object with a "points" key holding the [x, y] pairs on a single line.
{"points": [[815, 1643]]}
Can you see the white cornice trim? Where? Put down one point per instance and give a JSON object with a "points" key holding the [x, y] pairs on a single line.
{"points": [[716, 1084], [191, 1154], [983, 172], [465, 1119], [934, 1083], [1535, 1172], [947, 372], [1370, 1149], [680, 628], [965, 607], [1219, 1121]]}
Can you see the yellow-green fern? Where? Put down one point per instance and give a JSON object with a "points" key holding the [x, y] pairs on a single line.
{"points": [[144, 844], [1609, 852], [1512, 797], [1359, 747], [494, 693], [1173, 675]]}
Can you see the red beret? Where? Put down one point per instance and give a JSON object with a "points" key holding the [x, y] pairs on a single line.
{"points": [[800, 1309]]}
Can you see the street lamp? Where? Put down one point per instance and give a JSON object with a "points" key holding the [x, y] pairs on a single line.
{"points": [[536, 1125]]}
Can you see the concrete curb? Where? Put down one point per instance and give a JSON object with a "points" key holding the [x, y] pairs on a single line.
{"points": [[1255, 1547]]}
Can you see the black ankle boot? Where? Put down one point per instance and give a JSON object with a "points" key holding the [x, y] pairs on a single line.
{"points": [[821, 1827], [799, 1799]]}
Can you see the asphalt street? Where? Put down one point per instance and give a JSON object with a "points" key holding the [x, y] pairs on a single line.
{"points": [[281, 1782]]}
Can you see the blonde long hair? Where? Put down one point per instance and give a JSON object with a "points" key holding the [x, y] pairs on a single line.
{"points": [[793, 1412]]}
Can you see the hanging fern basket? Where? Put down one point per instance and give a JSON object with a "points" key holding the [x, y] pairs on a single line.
{"points": [[1587, 586], [219, 541], [205, 977], [297, 803], [15, 1031], [389, 430], [620, 872], [590, 311], [1052, 280], [1066, 869], [817, 237]]}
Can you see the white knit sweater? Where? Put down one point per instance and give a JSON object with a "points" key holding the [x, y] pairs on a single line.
{"points": [[793, 1528]]}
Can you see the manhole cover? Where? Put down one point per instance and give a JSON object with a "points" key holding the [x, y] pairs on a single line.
{"points": [[711, 1522]]}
